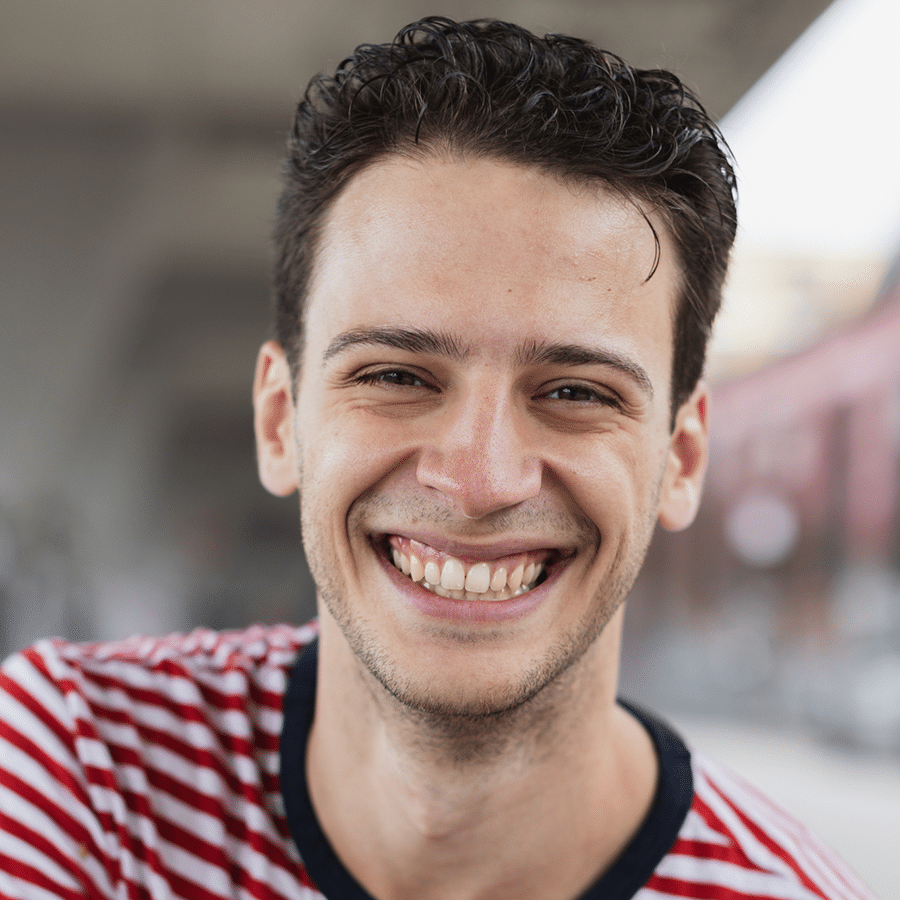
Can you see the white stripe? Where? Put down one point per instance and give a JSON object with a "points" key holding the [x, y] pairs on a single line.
{"points": [[94, 752], [31, 771], [211, 830], [16, 888], [820, 865], [134, 779], [78, 665], [694, 828], [731, 875], [35, 819], [231, 724], [34, 731], [757, 852], [270, 721], [115, 702], [215, 878], [135, 871], [138, 668], [811, 852], [177, 687]]}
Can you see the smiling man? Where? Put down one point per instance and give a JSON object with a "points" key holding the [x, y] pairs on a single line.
{"points": [[499, 259]]}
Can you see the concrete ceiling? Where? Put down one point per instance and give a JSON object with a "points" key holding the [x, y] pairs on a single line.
{"points": [[139, 149], [229, 59]]}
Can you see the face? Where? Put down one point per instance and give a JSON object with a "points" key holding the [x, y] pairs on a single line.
{"points": [[481, 433]]}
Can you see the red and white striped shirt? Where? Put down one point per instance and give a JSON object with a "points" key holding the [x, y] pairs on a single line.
{"points": [[150, 768]]}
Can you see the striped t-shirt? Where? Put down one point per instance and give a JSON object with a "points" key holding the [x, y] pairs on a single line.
{"points": [[152, 768]]}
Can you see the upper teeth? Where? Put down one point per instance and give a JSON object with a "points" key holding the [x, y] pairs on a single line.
{"points": [[475, 582]]}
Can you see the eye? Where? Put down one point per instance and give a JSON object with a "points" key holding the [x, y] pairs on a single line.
{"points": [[579, 393], [393, 378]]}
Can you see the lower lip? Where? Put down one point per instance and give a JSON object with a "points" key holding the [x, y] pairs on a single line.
{"points": [[437, 607]]}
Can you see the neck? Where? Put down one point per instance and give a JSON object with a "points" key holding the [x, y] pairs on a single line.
{"points": [[427, 806]]}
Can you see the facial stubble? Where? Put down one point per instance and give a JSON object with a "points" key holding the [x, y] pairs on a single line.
{"points": [[467, 730]]}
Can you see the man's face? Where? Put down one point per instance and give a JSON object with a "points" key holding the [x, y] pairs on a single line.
{"points": [[483, 407]]}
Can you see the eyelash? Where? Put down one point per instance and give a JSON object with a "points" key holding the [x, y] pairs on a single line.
{"points": [[402, 378], [593, 396]]}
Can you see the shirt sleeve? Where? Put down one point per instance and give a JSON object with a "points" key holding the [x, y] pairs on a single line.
{"points": [[52, 841]]}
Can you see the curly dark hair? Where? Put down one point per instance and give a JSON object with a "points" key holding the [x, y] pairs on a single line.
{"points": [[492, 89]]}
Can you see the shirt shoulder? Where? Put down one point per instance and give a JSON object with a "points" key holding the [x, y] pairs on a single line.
{"points": [[148, 765], [737, 844]]}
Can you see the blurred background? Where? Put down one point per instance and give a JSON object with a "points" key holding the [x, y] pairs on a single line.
{"points": [[139, 155]]}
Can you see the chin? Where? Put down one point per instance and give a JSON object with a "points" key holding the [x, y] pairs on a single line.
{"points": [[489, 680]]}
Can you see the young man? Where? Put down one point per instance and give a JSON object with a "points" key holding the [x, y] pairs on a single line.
{"points": [[499, 258]]}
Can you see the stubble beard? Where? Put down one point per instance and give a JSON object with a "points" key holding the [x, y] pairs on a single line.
{"points": [[463, 731]]}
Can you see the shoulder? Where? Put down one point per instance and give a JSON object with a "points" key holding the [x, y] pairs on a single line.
{"points": [[71, 697], [736, 843], [54, 668], [146, 749]]}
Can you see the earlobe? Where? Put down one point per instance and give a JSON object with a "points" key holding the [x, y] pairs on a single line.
{"points": [[273, 421], [686, 463]]}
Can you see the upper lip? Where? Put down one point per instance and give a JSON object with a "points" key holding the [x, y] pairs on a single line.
{"points": [[482, 551]]}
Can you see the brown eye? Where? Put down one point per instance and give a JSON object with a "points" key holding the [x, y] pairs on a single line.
{"points": [[393, 378], [577, 398], [575, 393]]}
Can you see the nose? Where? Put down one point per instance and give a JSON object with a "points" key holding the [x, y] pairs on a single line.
{"points": [[479, 456]]}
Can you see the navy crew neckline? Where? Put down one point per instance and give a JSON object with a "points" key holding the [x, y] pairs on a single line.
{"points": [[621, 881]]}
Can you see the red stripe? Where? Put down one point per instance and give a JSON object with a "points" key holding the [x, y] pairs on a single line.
{"points": [[774, 848], [265, 698], [70, 825], [200, 757], [701, 890], [247, 700], [215, 808], [190, 842], [216, 856], [15, 690], [29, 875], [184, 888], [38, 842], [211, 697], [236, 827], [155, 696], [64, 778], [731, 853], [817, 854], [229, 743]]}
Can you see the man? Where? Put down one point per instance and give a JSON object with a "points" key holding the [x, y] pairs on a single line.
{"points": [[499, 258]]}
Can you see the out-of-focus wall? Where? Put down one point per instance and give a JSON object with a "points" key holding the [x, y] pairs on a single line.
{"points": [[782, 603]]}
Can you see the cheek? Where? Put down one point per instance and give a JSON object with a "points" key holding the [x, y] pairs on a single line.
{"points": [[615, 484], [344, 459]]}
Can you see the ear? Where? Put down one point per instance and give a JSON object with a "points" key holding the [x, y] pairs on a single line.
{"points": [[273, 421], [686, 463]]}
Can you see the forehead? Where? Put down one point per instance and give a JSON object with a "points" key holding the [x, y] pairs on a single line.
{"points": [[477, 243], [499, 201]]}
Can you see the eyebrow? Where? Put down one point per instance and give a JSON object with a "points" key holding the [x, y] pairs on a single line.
{"points": [[408, 339], [579, 355]]}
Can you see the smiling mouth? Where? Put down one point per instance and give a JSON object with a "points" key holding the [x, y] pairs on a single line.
{"points": [[448, 576]]}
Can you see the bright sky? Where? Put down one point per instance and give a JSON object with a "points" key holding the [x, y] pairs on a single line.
{"points": [[817, 139], [817, 143]]}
